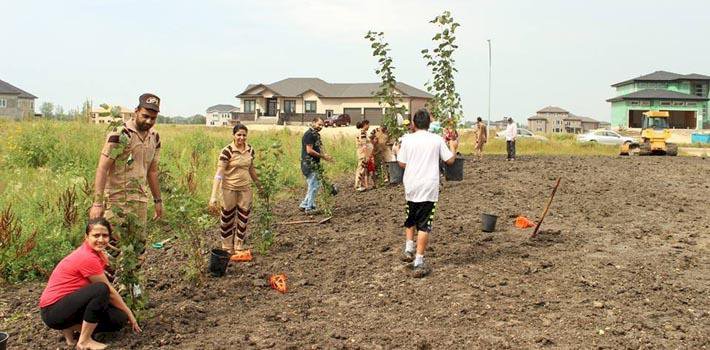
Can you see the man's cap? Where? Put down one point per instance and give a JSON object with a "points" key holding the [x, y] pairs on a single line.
{"points": [[149, 101]]}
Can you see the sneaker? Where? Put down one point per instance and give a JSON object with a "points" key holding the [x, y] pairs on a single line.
{"points": [[407, 256], [421, 270], [311, 211]]}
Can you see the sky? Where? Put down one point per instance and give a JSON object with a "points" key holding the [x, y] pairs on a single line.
{"points": [[195, 54]]}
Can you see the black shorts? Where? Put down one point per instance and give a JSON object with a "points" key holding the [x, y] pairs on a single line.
{"points": [[421, 215]]}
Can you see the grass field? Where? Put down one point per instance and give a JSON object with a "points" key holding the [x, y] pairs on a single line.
{"points": [[47, 170]]}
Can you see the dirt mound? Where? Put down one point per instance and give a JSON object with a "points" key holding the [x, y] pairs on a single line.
{"points": [[622, 262]]}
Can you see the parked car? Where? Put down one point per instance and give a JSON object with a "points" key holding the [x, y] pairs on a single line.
{"points": [[606, 137], [341, 120], [522, 133]]}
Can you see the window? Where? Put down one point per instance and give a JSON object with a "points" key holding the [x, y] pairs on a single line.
{"points": [[665, 103], [644, 103], [678, 103], [634, 103], [690, 103], [249, 106], [3, 103], [290, 106], [310, 106]]}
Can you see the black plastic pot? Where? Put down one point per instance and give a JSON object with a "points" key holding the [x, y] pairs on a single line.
{"points": [[219, 259], [454, 172], [3, 340], [488, 222], [395, 171]]}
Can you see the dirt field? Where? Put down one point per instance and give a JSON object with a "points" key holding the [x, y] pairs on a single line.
{"points": [[623, 263]]}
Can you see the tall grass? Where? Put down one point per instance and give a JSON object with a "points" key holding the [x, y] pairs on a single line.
{"points": [[557, 144], [47, 170]]}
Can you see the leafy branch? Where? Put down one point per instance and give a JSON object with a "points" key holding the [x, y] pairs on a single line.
{"points": [[446, 102], [387, 94]]}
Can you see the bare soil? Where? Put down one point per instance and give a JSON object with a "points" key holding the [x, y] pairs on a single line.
{"points": [[622, 263]]}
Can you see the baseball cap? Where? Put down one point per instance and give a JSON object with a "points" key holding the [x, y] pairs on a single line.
{"points": [[149, 101]]}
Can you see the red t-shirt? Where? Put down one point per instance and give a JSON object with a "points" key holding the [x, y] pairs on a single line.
{"points": [[72, 274]]}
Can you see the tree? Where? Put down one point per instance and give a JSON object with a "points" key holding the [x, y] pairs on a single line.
{"points": [[446, 102], [387, 93], [197, 119], [47, 110]]}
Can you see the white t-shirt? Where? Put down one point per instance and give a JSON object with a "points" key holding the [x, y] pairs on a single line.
{"points": [[421, 151], [511, 132]]}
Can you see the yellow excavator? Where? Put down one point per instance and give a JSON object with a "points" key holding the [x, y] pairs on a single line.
{"points": [[654, 134]]}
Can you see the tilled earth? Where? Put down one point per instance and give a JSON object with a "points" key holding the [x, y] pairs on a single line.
{"points": [[622, 263]]}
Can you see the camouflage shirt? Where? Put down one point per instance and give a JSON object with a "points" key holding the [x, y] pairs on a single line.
{"points": [[132, 154]]}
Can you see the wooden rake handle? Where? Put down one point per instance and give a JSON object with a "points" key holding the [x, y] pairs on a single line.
{"points": [[547, 207]]}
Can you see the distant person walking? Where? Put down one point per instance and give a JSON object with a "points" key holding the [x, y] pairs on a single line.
{"points": [[235, 174], [364, 154], [311, 154], [481, 137], [419, 156], [511, 132]]}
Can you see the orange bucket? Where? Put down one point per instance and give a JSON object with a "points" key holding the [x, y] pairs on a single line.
{"points": [[523, 222]]}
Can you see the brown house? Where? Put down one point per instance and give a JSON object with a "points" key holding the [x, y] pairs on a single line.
{"points": [[15, 103], [299, 100]]}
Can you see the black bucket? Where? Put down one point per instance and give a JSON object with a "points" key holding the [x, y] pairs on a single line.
{"points": [[396, 172], [219, 259], [488, 222], [3, 340], [454, 172]]}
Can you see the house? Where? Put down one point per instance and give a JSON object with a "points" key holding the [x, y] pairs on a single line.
{"points": [[684, 96], [299, 100], [219, 115], [15, 103], [555, 119], [99, 115]]}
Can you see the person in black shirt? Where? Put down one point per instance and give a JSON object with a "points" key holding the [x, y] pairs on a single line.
{"points": [[310, 162]]}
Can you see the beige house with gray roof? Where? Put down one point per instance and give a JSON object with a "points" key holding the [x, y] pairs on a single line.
{"points": [[553, 119], [299, 100], [15, 103]]}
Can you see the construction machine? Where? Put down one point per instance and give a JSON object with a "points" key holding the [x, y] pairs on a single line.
{"points": [[654, 136]]}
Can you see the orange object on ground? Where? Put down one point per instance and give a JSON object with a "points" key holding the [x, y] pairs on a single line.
{"points": [[241, 256], [278, 282], [523, 222]]}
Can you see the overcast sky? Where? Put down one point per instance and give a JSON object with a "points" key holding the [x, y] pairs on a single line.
{"points": [[195, 54]]}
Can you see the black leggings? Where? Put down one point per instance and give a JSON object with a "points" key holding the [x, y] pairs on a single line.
{"points": [[90, 304]]}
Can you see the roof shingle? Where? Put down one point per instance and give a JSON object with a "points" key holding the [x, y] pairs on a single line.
{"points": [[293, 87], [7, 88], [656, 94]]}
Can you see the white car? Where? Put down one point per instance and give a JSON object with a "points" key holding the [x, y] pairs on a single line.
{"points": [[522, 133], [606, 137]]}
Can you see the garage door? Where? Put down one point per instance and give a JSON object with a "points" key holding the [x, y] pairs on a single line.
{"points": [[354, 113], [374, 115]]}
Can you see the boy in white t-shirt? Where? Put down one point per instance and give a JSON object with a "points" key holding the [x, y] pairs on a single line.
{"points": [[419, 155]]}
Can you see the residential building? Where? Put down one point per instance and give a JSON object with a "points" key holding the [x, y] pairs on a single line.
{"points": [[99, 115], [684, 96], [552, 119], [220, 115], [15, 103], [299, 100]]}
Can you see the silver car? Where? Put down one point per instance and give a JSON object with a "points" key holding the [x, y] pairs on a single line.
{"points": [[606, 137]]}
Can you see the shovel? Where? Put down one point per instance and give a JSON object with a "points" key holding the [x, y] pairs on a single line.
{"points": [[161, 244]]}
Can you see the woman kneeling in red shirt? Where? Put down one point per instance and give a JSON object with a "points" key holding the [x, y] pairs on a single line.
{"points": [[79, 297]]}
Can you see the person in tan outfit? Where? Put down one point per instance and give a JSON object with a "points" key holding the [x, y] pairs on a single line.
{"points": [[364, 152], [128, 166], [235, 174], [481, 137]]}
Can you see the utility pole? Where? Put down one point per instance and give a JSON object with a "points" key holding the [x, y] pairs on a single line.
{"points": [[488, 127]]}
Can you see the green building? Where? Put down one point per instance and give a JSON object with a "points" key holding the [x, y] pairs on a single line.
{"points": [[685, 97]]}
